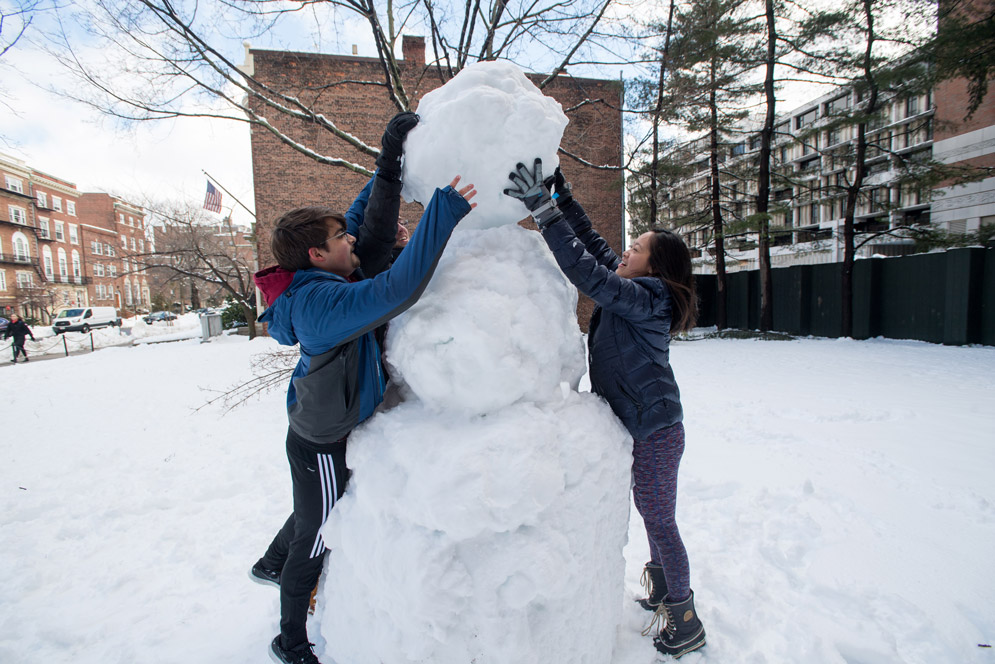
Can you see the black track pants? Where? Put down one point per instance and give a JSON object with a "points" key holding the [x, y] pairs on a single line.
{"points": [[319, 479]]}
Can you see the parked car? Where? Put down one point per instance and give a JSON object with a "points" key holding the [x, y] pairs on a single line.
{"points": [[84, 319], [159, 316], [3, 323]]}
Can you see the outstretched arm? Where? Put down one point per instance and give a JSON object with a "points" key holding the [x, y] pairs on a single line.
{"points": [[375, 237], [624, 297], [372, 302]]}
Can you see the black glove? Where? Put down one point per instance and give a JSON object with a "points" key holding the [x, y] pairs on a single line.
{"points": [[562, 190], [393, 142], [530, 189]]}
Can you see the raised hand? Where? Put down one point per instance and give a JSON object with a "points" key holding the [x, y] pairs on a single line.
{"points": [[528, 187], [393, 142], [466, 192]]}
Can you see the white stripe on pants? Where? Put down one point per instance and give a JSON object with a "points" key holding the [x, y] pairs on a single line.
{"points": [[329, 490]]}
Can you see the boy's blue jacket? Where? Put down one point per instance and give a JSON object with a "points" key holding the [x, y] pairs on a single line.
{"points": [[339, 380], [629, 335]]}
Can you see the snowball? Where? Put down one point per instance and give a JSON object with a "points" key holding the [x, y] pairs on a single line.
{"points": [[498, 323], [479, 125], [488, 539]]}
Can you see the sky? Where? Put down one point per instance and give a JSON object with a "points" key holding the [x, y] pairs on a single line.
{"points": [[166, 159]]}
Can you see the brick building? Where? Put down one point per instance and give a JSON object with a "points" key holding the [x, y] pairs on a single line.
{"points": [[41, 264], [114, 242], [285, 179]]}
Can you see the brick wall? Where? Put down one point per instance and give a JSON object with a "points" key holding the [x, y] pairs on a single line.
{"points": [[285, 179]]}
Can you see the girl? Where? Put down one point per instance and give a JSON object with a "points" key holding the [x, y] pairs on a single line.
{"points": [[642, 298]]}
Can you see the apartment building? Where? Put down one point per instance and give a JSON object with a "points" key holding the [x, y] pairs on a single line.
{"points": [[115, 247], [811, 166], [41, 264], [60, 247]]}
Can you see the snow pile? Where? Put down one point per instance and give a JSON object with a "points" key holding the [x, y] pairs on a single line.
{"points": [[479, 125], [486, 515]]}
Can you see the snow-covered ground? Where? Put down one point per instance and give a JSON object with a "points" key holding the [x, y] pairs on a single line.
{"points": [[837, 500], [133, 331]]}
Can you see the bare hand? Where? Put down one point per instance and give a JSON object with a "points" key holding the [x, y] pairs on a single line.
{"points": [[466, 192]]}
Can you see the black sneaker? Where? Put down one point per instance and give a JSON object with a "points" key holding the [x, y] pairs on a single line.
{"points": [[261, 574], [302, 654]]}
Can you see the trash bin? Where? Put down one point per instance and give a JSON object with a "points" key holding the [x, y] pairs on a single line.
{"points": [[210, 326]]}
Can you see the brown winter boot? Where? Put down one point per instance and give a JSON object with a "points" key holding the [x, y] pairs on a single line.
{"points": [[682, 632]]}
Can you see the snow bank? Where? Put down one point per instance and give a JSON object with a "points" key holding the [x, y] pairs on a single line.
{"points": [[479, 125], [486, 515]]}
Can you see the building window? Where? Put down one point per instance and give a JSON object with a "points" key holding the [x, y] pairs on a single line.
{"points": [[24, 280], [60, 231], [807, 118], [110, 250], [98, 269], [134, 245], [112, 268], [912, 106], [73, 234], [43, 228], [124, 242], [76, 265], [141, 246], [97, 247], [46, 253], [3, 280], [127, 293], [42, 199], [21, 252], [815, 213], [57, 203], [71, 208], [15, 184], [839, 104], [63, 264], [121, 216], [18, 215], [131, 221]]}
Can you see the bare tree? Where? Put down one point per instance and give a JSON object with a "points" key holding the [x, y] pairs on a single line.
{"points": [[151, 59], [191, 248]]}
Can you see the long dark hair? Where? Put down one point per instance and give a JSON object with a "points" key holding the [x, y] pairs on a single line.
{"points": [[670, 260]]}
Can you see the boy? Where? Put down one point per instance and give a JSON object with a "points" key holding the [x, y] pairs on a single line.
{"points": [[318, 299]]}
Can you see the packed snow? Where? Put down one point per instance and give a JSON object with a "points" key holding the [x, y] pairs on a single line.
{"points": [[133, 331], [517, 490], [476, 126], [494, 479], [836, 499]]}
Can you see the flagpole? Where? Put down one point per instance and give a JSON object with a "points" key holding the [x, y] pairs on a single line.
{"points": [[228, 192]]}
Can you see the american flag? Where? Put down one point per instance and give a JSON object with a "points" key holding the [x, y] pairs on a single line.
{"points": [[212, 201]]}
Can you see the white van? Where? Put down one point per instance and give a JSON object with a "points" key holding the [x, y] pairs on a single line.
{"points": [[84, 319]]}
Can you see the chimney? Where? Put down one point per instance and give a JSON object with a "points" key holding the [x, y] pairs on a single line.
{"points": [[355, 50], [413, 50]]}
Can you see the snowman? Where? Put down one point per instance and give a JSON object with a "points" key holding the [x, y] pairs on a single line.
{"points": [[486, 514]]}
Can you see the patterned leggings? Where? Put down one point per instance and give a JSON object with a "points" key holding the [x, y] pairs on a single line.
{"points": [[655, 461]]}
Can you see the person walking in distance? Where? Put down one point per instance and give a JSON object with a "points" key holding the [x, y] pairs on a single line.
{"points": [[18, 329]]}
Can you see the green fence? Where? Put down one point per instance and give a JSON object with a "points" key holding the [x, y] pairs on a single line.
{"points": [[944, 297]]}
